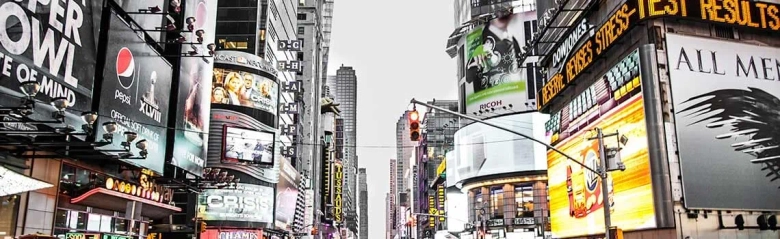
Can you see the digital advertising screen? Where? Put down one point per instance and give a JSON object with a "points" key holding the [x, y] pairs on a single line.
{"points": [[482, 150], [726, 103], [245, 203], [614, 103], [248, 146], [240, 88], [494, 76], [134, 94], [192, 121]]}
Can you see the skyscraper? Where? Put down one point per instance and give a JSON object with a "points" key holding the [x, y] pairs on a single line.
{"points": [[391, 205], [404, 147], [363, 203], [346, 96]]}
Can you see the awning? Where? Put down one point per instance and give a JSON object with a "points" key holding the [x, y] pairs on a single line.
{"points": [[13, 183], [117, 201]]}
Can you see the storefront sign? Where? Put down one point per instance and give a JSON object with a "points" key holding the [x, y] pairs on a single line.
{"points": [[740, 13], [338, 177], [154, 235], [113, 236], [231, 234], [431, 210], [440, 195], [495, 222], [523, 221], [147, 189], [79, 235]]}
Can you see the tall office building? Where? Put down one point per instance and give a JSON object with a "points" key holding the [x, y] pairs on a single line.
{"points": [[346, 96], [363, 203], [388, 216], [404, 147], [392, 196]]}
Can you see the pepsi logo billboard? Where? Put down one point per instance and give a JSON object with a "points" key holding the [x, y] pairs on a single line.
{"points": [[194, 80], [57, 52], [134, 94]]}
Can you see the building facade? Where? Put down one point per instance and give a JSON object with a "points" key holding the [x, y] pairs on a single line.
{"points": [[392, 200], [363, 203], [651, 85], [346, 96]]}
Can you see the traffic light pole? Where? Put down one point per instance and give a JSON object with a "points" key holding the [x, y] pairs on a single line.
{"points": [[601, 172]]}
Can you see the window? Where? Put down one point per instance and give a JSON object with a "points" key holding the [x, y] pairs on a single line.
{"points": [[301, 16], [300, 56], [301, 31], [524, 199], [496, 203]]}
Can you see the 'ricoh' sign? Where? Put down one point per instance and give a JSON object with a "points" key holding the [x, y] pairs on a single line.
{"points": [[42, 41]]}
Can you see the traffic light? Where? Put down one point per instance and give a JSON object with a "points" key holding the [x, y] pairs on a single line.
{"points": [[414, 125], [202, 227], [314, 231]]}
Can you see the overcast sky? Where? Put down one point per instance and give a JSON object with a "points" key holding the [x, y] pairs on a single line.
{"points": [[397, 50]]}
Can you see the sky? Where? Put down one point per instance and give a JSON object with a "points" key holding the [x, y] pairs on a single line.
{"points": [[397, 50]]}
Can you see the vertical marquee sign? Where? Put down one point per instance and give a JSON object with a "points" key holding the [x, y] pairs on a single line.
{"points": [[338, 183], [293, 87]]}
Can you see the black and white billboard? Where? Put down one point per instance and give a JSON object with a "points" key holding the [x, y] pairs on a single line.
{"points": [[192, 121], [245, 203], [726, 98], [55, 48], [134, 94]]}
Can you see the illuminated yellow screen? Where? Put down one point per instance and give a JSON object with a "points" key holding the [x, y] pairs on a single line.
{"points": [[580, 212]]}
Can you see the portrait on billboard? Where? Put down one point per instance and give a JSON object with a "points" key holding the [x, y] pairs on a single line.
{"points": [[495, 77], [726, 96], [248, 146], [232, 87], [134, 94], [614, 103], [189, 148], [245, 202]]}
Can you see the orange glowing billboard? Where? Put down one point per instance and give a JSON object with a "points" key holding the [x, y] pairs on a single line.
{"points": [[615, 104]]}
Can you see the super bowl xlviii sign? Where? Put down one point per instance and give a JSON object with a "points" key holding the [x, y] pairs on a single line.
{"points": [[42, 41]]}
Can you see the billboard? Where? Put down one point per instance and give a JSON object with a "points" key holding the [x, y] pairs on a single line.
{"points": [[231, 234], [247, 146], [221, 118], [34, 47], [286, 194], [614, 103], [338, 186], [189, 148], [725, 96], [240, 88], [134, 94], [482, 150], [245, 203], [494, 76]]}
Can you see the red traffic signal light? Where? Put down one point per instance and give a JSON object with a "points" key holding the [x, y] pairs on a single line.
{"points": [[414, 125], [202, 227]]}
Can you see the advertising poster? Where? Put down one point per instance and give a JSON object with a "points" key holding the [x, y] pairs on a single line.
{"points": [[189, 148], [231, 234], [248, 146], [726, 100], [494, 76], [286, 194], [232, 87], [137, 81], [482, 150], [63, 63], [245, 203], [614, 104]]}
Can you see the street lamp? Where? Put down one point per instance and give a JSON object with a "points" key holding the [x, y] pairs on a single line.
{"points": [[601, 172]]}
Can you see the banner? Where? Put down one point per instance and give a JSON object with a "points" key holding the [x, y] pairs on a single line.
{"points": [[134, 94], [494, 76], [58, 53], [614, 104], [726, 98], [246, 202], [286, 195], [189, 148]]}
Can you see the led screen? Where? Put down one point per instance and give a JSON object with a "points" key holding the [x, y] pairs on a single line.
{"points": [[248, 146]]}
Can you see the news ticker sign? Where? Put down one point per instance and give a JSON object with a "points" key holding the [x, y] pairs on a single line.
{"points": [[289, 45], [741, 13]]}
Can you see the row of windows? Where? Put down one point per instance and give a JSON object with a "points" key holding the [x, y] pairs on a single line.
{"points": [[498, 204]]}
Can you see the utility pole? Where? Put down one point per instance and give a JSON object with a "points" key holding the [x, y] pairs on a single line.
{"points": [[601, 171]]}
